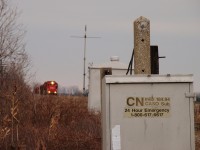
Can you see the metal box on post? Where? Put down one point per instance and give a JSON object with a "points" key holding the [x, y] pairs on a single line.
{"points": [[148, 112]]}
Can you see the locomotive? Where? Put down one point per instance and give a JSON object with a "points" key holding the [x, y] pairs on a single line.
{"points": [[49, 87]]}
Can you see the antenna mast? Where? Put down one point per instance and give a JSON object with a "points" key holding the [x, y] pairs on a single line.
{"points": [[84, 56], [84, 59]]}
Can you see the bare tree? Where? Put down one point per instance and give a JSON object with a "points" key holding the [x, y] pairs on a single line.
{"points": [[13, 58], [12, 47], [13, 63]]}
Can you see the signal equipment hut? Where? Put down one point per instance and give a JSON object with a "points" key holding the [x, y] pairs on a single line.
{"points": [[114, 67]]}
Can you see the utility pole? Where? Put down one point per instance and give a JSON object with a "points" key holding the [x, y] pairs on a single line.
{"points": [[84, 56]]}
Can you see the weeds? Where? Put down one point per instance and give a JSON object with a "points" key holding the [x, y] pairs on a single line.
{"points": [[53, 122]]}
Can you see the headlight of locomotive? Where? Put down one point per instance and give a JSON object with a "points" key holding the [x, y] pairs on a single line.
{"points": [[55, 92], [52, 82], [49, 92]]}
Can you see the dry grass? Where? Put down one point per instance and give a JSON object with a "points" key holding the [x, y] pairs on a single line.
{"points": [[63, 123], [52, 122]]}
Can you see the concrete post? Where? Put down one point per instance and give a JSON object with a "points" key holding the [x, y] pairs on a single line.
{"points": [[142, 58]]}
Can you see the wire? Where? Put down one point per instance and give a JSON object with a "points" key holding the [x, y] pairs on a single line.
{"points": [[130, 66]]}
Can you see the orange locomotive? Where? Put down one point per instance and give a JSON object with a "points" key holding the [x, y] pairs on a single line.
{"points": [[49, 87]]}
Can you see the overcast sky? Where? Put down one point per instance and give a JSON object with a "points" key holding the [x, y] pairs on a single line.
{"points": [[175, 28]]}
